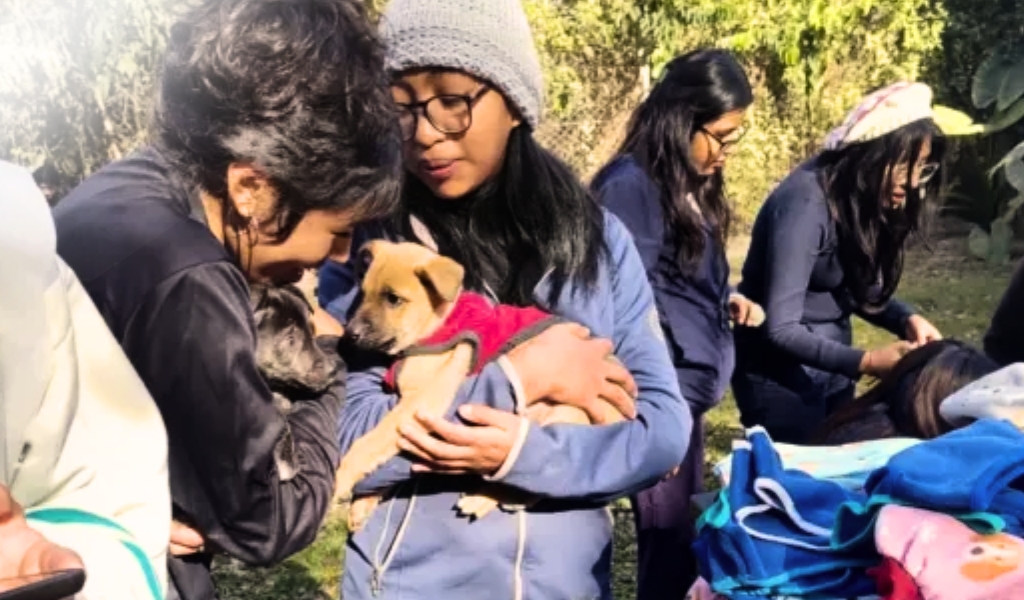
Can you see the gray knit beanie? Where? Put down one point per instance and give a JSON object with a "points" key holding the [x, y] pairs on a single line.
{"points": [[490, 39]]}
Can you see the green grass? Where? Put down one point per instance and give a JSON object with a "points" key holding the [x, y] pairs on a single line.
{"points": [[955, 293]]}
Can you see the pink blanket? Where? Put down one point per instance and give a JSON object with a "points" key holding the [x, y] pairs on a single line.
{"points": [[948, 560]]}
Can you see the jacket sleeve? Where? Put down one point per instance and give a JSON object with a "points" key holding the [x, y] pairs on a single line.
{"points": [[631, 197], [1004, 341], [893, 318], [128, 491], [607, 462], [193, 342], [796, 234]]}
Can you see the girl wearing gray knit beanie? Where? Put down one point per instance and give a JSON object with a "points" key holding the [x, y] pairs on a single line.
{"points": [[479, 189]]}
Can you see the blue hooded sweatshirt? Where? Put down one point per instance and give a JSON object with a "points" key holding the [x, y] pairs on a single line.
{"points": [[415, 546]]}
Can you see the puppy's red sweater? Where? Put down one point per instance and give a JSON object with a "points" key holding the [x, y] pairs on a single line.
{"points": [[492, 330]]}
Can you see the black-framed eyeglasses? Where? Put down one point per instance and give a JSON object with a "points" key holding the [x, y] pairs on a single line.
{"points": [[448, 113], [725, 145]]}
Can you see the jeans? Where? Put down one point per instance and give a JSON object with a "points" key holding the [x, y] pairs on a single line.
{"points": [[791, 404]]}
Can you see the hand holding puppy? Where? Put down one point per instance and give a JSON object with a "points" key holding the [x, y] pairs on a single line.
{"points": [[564, 365], [452, 448]]}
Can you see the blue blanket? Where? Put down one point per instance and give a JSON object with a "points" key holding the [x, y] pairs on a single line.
{"points": [[975, 474], [849, 465], [769, 533]]}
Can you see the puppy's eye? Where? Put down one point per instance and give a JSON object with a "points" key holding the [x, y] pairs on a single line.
{"points": [[393, 300]]}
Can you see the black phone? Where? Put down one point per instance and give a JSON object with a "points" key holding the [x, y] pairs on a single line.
{"points": [[55, 585]]}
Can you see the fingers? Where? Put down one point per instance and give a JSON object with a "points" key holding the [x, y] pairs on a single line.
{"points": [[757, 316], [432, 450], [739, 312], [9, 508], [453, 433], [745, 316], [44, 555], [619, 398], [59, 558], [183, 535], [488, 416], [617, 373], [577, 330], [179, 550]]}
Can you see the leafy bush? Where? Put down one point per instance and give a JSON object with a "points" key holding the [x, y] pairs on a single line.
{"points": [[77, 79], [998, 88], [76, 83]]}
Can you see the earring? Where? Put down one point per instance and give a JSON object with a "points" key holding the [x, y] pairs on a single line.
{"points": [[253, 227]]}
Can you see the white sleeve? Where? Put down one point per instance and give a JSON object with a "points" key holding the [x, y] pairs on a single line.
{"points": [[114, 463]]}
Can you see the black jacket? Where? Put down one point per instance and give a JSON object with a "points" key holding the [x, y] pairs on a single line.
{"points": [[180, 309], [1004, 341]]}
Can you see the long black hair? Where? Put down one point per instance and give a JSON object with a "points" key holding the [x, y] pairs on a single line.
{"points": [[532, 218], [910, 394], [696, 89], [871, 231]]}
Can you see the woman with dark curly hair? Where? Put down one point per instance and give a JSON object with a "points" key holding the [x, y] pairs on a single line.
{"points": [[275, 131]]}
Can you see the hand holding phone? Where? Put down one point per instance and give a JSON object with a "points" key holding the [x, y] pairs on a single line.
{"points": [[30, 563], [55, 585]]}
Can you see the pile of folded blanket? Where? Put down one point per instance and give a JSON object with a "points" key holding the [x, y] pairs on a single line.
{"points": [[897, 519]]}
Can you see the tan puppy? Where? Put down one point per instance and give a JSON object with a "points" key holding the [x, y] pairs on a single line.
{"points": [[409, 293]]}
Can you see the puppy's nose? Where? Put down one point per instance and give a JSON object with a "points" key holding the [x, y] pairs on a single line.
{"points": [[353, 333]]}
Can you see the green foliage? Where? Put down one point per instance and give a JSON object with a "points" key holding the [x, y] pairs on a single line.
{"points": [[77, 79], [811, 61], [973, 28], [999, 86], [818, 57]]}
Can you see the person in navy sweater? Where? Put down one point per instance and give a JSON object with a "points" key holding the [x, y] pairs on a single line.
{"points": [[666, 186], [829, 243]]}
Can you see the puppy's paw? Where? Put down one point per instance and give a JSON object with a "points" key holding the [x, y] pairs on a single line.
{"points": [[359, 512], [475, 506], [342, 494]]}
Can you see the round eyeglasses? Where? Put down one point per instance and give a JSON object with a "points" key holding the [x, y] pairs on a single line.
{"points": [[448, 113], [924, 173]]}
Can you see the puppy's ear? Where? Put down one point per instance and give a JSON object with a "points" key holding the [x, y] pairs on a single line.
{"points": [[366, 251], [294, 291], [442, 276], [363, 257]]}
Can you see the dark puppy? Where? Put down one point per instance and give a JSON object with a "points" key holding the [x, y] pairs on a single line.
{"points": [[287, 354]]}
